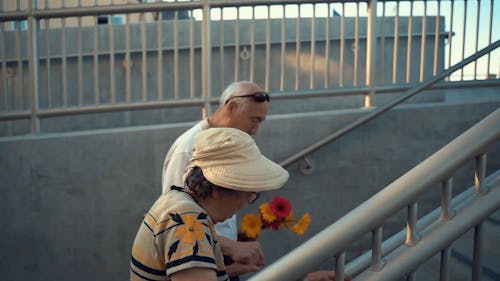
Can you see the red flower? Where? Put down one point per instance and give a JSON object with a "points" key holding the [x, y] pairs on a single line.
{"points": [[281, 207]]}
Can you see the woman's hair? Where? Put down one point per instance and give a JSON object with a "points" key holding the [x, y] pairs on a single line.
{"points": [[200, 186]]}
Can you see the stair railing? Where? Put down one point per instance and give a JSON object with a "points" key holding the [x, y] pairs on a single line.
{"points": [[403, 192], [378, 111]]}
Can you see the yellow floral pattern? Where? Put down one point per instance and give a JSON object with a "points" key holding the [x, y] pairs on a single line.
{"points": [[192, 230]]}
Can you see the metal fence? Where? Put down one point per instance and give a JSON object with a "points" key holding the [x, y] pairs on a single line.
{"points": [[60, 58]]}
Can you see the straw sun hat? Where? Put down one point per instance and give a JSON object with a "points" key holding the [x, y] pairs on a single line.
{"points": [[230, 158]]}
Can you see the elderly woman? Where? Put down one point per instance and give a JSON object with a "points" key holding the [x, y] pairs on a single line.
{"points": [[176, 240]]}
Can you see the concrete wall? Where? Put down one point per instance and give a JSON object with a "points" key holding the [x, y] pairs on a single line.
{"points": [[70, 204]]}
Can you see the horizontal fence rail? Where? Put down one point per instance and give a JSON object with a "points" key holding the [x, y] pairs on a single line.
{"points": [[370, 215], [61, 58]]}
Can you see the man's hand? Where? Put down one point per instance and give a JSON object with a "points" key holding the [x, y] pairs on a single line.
{"points": [[324, 275], [247, 256]]}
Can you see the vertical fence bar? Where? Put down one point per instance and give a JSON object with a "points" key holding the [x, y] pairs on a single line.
{"points": [[33, 67], [64, 63], [96, 62], [371, 42], [313, 49], [478, 15], [20, 69], [267, 84], [342, 46], [127, 62], [396, 43], [408, 44], [191, 57], [159, 56], [221, 50], [236, 45], [464, 26], [48, 65], [356, 47], [3, 59], [477, 261], [327, 48], [444, 266], [283, 50], [376, 261], [436, 39], [339, 266], [297, 49], [422, 43], [205, 59], [446, 194], [79, 60], [490, 34], [411, 225], [252, 46], [450, 36], [175, 34], [381, 54], [112, 78], [480, 174], [144, 58]]}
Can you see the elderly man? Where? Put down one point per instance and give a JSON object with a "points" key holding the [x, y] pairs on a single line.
{"points": [[243, 106]]}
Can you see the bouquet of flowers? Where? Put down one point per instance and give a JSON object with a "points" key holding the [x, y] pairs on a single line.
{"points": [[275, 214]]}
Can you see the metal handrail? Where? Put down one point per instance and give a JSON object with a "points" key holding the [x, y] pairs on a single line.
{"points": [[370, 116], [392, 198]]}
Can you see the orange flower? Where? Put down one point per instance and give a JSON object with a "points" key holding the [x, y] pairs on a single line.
{"points": [[289, 220], [251, 225], [267, 214], [301, 226]]}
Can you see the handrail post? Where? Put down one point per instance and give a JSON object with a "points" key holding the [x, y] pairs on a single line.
{"points": [[206, 54], [339, 266], [444, 267], [477, 263], [411, 225], [377, 261], [479, 174], [446, 194]]}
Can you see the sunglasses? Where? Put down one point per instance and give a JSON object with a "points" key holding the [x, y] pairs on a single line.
{"points": [[253, 197], [257, 96]]}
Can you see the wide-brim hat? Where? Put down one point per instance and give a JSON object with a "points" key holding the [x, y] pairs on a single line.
{"points": [[230, 158]]}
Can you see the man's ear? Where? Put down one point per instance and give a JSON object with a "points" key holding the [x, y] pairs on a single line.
{"points": [[231, 106]]}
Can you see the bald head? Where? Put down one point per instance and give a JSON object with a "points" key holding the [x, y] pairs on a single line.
{"points": [[240, 109]]}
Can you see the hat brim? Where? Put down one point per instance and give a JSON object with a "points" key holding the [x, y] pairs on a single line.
{"points": [[254, 175]]}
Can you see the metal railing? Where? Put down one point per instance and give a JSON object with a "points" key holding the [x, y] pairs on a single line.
{"points": [[380, 110], [424, 239], [81, 58]]}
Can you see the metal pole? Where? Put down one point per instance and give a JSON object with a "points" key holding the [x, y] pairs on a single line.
{"points": [[33, 67], [444, 268], [206, 60], [411, 225], [377, 261], [479, 174], [339, 266], [446, 210], [477, 263], [371, 41]]}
